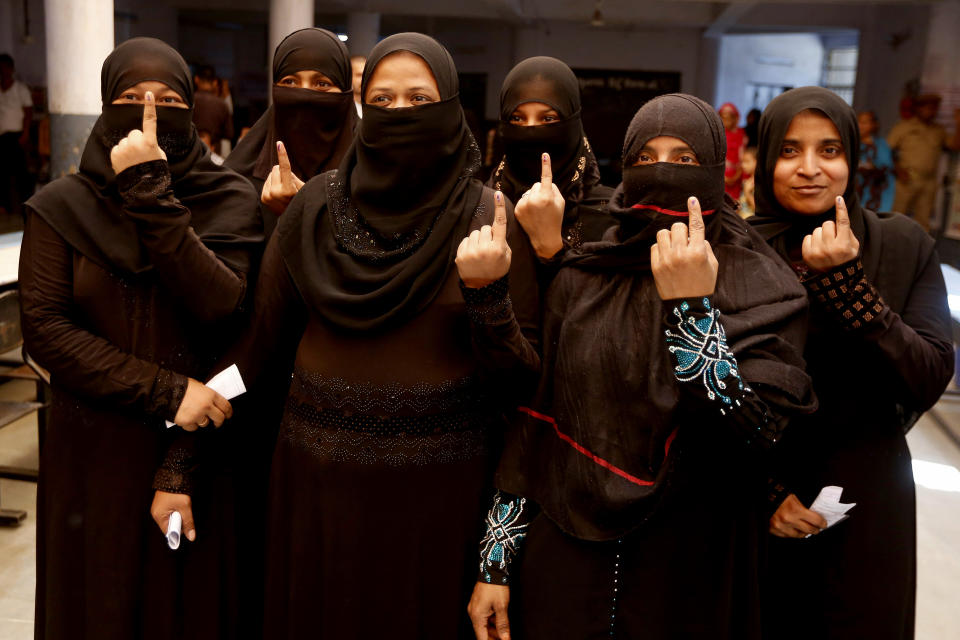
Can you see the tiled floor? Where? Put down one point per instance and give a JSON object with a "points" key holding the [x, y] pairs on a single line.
{"points": [[938, 524]]}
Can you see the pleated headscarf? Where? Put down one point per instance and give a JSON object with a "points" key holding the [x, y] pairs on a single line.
{"points": [[86, 208], [374, 242]]}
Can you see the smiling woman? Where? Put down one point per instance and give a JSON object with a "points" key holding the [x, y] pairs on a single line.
{"points": [[880, 353]]}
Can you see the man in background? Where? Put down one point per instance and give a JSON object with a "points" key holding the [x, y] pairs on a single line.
{"points": [[210, 112], [16, 113], [917, 144]]}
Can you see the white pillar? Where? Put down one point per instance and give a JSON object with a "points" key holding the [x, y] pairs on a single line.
{"points": [[79, 35], [363, 31], [286, 16]]}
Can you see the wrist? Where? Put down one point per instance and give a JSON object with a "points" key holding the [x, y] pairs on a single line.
{"points": [[546, 249]]}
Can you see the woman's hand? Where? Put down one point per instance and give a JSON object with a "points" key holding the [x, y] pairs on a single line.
{"points": [[683, 263], [164, 504], [139, 146], [488, 611], [281, 185], [793, 520], [200, 405], [483, 257], [832, 244], [540, 213]]}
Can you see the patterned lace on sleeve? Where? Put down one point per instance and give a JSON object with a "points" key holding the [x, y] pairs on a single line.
{"points": [[490, 304], [846, 293], [706, 366], [507, 523]]}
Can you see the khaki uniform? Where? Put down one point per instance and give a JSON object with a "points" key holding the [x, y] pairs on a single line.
{"points": [[918, 147]]}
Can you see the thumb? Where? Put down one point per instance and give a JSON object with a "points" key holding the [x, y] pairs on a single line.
{"points": [[186, 512], [499, 218], [501, 622]]}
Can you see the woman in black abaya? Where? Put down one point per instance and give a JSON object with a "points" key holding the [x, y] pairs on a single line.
{"points": [[540, 114], [671, 361], [130, 271], [312, 115], [400, 374], [880, 353]]}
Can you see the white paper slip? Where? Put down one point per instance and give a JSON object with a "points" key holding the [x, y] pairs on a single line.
{"points": [[829, 506], [227, 383], [173, 530]]}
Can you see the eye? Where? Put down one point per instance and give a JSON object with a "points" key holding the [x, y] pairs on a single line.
{"points": [[170, 99], [832, 151], [421, 98], [645, 158], [289, 81], [788, 151], [550, 118], [129, 96], [687, 159], [323, 84], [380, 98], [517, 118]]}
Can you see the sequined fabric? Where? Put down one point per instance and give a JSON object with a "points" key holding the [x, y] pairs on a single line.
{"points": [[846, 293], [507, 524], [394, 424]]}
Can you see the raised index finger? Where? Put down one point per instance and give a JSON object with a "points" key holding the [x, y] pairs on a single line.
{"points": [[843, 217], [286, 173], [546, 171], [499, 217], [695, 223], [150, 117]]}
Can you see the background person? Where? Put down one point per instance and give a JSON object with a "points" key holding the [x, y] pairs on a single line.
{"points": [[16, 114]]}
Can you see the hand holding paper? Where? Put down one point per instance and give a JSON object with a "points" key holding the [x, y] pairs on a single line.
{"points": [[227, 383], [829, 506]]}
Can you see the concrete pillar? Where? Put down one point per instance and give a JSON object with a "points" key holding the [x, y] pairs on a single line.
{"points": [[79, 35], [286, 16], [363, 31]]}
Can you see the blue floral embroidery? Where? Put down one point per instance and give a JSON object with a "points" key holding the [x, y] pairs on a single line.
{"points": [[699, 346], [505, 531]]}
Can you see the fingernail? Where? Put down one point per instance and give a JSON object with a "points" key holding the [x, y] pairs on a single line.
{"points": [[191, 535], [149, 96], [499, 197], [545, 157], [693, 201]]}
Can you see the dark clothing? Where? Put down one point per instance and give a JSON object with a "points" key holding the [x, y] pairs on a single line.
{"points": [[650, 419], [119, 349], [394, 433], [880, 353], [212, 115], [316, 127], [15, 181], [574, 167], [129, 285]]}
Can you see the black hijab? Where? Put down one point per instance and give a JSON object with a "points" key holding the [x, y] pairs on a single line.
{"points": [[373, 242], [86, 209], [602, 447], [784, 229], [316, 127], [575, 172], [654, 196]]}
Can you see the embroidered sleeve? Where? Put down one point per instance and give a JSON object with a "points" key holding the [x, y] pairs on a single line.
{"points": [[507, 523], [706, 366], [489, 304], [846, 293], [176, 473]]}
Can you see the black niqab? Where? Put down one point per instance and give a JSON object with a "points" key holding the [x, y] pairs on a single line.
{"points": [[599, 449], [316, 127], [654, 196], [575, 172], [374, 242], [86, 208]]}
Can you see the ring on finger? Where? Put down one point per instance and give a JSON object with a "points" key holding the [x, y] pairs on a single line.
{"points": [[204, 422]]}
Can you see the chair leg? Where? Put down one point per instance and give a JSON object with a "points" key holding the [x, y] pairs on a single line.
{"points": [[11, 517]]}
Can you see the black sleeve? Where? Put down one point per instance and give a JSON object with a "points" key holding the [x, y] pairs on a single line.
{"points": [[916, 343], [708, 371], [207, 286]]}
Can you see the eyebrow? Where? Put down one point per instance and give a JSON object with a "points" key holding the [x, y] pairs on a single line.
{"points": [[836, 141], [648, 148]]}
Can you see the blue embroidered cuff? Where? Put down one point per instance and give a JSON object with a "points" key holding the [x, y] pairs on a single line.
{"points": [[507, 525], [698, 344]]}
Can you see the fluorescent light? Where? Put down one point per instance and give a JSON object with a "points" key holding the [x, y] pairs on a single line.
{"points": [[953, 301], [343, 37], [939, 477]]}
